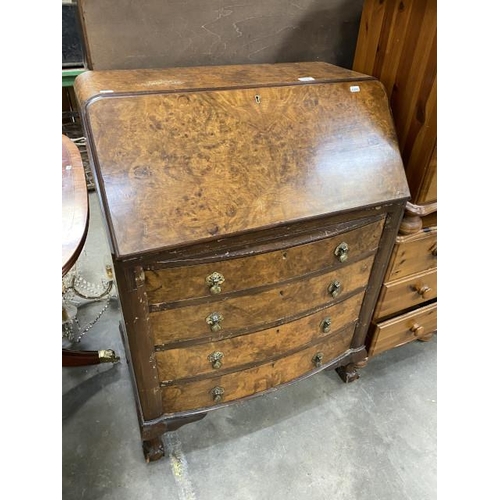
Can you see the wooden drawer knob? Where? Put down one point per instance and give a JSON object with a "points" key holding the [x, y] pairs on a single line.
{"points": [[214, 281], [424, 291], [417, 329]]}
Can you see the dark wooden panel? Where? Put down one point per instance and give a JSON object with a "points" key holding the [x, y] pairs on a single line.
{"points": [[196, 395], [173, 284], [256, 347], [254, 310], [152, 34]]}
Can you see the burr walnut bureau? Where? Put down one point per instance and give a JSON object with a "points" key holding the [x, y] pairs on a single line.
{"points": [[251, 212]]}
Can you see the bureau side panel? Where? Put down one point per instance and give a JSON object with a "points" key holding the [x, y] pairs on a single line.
{"points": [[135, 310]]}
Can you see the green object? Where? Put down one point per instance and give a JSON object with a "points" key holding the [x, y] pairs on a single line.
{"points": [[69, 75]]}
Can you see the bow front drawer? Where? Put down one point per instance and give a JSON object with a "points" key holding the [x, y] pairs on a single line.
{"points": [[225, 276], [209, 358], [236, 314], [216, 390]]}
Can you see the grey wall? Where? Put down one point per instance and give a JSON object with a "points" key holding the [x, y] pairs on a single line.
{"points": [[124, 34]]}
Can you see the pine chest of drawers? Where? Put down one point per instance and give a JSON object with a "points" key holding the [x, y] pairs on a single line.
{"points": [[251, 212]]}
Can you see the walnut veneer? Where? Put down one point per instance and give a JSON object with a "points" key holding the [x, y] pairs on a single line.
{"points": [[251, 212]]}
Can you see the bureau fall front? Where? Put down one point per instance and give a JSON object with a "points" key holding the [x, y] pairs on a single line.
{"points": [[251, 212]]}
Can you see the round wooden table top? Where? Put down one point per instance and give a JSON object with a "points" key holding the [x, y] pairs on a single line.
{"points": [[75, 204]]}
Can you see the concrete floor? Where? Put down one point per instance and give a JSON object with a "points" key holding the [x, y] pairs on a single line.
{"points": [[374, 439]]}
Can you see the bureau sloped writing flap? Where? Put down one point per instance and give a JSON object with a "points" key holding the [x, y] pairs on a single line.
{"points": [[178, 167]]}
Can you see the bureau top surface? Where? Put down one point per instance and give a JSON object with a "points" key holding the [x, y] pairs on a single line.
{"points": [[193, 154]]}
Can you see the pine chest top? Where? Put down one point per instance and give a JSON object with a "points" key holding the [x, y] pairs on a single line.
{"points": [[187, 155]]}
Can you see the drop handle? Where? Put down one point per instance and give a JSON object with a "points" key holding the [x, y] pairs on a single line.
{"points": [[423, 290], [216, 359], [326, 325], [217, 393], [214, 321], [214, 282], [318, 359], [335, 288], [417, 329], [342, 252]]}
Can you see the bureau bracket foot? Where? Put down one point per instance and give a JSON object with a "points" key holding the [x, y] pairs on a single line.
{"points": [[153, 449], [347, 373]]}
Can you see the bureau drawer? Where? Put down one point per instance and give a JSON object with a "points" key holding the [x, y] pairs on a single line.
{"points": [[204, 280], [413, 254], [203, 393], [406, 292], [256, 310], [403, 329], [205, 359]]}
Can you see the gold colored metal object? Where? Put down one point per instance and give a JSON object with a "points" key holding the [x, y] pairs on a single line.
{"points": [[216, 359], [214, 281], [335, 288], [107, 356], [326, 324], [217, 393], [214, 321], [342, 251], [318, 359]]}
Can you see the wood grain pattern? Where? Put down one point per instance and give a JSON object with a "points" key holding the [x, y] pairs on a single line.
{"points": [[412, 254], [92, 84], [256, 347], [397, 43], [181, 397], [262, 179], [255, 310], [407, 292], [75, 206], [173, 171], [402, 329], [178, 283], [138, 340]]}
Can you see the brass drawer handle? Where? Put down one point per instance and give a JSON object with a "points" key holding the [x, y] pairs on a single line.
{"points": [[214, 281], [318, 359], [326, 324], [424, 291], [417, 330], [335, 288], [216, 359], [342, 251], [214, 321], [217, 393]]}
